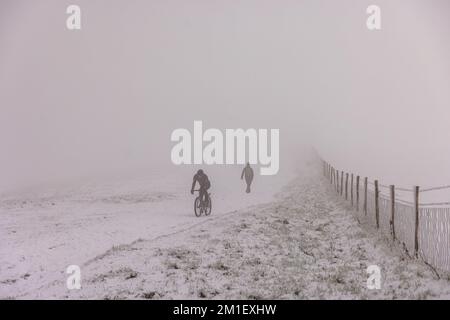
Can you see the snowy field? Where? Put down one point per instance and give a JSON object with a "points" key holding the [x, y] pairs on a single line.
{"points": [[44, 230], [141, 241]]}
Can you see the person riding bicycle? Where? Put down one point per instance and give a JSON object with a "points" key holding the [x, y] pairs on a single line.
{"points": [[204, 183]]}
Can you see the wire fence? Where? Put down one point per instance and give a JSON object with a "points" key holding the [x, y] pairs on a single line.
{"points": [[422, 229]]}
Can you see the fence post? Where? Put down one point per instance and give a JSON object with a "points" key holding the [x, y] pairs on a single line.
{"points": [[337, 181], [342, 182], [346, 186], [331, 174], [392, 187], [334, 177], [365, 196], [351, 190], [377, 209], [416, 232], [357, 193]]}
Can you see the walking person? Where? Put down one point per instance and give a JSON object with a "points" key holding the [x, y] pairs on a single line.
{"points": [[248, 173]]}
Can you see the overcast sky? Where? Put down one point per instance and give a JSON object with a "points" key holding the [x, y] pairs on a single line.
{"points": [[106, 98]]}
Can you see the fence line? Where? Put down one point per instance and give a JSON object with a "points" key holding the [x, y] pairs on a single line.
{"points": [[429, 204], [436, 188], [422, 229]]}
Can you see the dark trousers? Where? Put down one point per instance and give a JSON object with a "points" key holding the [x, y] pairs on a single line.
{"points": [[249, 182], [203, 194]]}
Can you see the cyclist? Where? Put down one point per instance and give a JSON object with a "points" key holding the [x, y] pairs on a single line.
{"points": [[248, 173], [204, 183]]}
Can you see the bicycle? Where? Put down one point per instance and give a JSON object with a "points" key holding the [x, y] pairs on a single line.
{"points": [[202, 206]]}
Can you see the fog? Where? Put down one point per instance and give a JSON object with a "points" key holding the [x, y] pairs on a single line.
{"points": [[105, 99]]}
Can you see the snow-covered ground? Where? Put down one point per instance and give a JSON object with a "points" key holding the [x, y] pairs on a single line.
{"points": [[304, 244], [44, 230]]}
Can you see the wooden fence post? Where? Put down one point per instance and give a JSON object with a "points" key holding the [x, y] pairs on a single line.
{"points": [[377, 209], [416, 232], [365, 196], [337, 181], [351, 190], [346, 186], [342, 182], [334, 177], [392, 187], [357, 193]]}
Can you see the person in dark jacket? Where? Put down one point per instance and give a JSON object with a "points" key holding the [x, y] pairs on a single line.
{"points": [[204, 183], [248, 173]]}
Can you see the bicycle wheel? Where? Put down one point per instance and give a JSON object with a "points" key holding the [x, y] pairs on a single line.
{"points": [[208, 206], [197, 208]]}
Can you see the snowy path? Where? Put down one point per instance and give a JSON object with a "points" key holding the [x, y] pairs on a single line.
{"points": [[305, 245], [44, 230]]}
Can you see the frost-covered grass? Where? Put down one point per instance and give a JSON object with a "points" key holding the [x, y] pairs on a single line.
{"points": [[43, 231], [303, 245]]}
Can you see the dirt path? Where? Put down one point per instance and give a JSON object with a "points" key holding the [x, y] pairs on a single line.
{"points": [[303, 246]]}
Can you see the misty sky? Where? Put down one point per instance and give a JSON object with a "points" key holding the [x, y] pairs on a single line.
{"points": [[106, 98]]}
